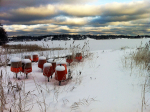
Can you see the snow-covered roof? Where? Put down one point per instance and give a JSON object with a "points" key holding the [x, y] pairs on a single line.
{"points": [[60, 62], [35, 53], [51, 61], [60, 68], [69, 53], [15, 59], [27, 54], [47, 65], [42, 58], [26, 61], [79, 51]]}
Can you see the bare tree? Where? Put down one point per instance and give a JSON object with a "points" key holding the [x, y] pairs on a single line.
{"points": [[3, 35]]}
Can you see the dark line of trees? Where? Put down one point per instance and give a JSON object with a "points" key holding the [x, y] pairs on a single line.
{"points": [[74, 37]]}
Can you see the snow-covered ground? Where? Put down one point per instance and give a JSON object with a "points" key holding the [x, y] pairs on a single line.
{"points": [[106, 44], [100, 83]]}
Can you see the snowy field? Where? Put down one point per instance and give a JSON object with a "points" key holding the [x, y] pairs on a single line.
{"points": [[110, 44], [101, 83]]}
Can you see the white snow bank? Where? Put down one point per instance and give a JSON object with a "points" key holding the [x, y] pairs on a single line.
{"points": [[47, 65], [42, 58], [60, 68], [15, 59]]}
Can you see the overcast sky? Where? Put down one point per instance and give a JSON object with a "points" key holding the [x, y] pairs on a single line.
{"points": [[44, 17]]}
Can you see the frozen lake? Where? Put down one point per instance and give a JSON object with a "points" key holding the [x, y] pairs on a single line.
{"points": [[93, 44]]}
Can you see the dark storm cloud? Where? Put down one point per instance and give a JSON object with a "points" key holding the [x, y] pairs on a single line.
{"points": [[9, 4], [106, 19], [29, 14], [23, 18]]}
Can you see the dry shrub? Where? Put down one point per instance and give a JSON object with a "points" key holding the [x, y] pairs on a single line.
{"points": [[82, 102], [142, 56], [141, 59], [26, 48], [84, 50], [125, 47], [2, 95]]}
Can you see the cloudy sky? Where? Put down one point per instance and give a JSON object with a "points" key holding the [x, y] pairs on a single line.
{"points": [[44, 17]]}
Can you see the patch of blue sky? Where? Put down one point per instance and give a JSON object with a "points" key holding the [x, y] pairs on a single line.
{"points": [[102, 2]]}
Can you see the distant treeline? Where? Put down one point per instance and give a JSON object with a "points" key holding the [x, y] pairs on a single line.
{"points": [[73, 37]]}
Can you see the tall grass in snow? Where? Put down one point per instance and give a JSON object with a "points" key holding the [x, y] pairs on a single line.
{"points": [[138, 58], [142, 56], [19, 48]]}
